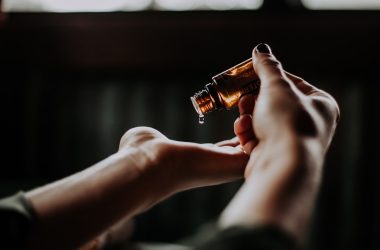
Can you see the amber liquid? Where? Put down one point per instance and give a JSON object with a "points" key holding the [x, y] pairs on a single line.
{"points": [[236, 82], [226, 89]]}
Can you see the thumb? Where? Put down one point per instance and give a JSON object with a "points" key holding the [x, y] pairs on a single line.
{"points": [[267, 67]]}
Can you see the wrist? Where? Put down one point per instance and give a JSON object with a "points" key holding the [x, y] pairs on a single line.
{"points": [[106, 186], [285, 174], [292, 150]]}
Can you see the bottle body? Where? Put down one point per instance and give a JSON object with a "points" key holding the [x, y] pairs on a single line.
{"points": [[227, 88]]}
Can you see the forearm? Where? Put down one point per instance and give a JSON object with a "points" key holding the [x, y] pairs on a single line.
{"points": [[84, 205], [282, 187]]}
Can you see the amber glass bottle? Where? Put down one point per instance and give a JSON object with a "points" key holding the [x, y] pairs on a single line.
{"points": [[226, 88]]}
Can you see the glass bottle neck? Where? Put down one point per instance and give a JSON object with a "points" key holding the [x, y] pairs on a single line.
{"points": [[203, 102]]}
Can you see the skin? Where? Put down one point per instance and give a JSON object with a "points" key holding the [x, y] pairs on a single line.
{"points": [[286, 130], [285, 133], [148, 168]]}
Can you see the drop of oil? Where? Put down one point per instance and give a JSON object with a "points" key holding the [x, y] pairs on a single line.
{"points": [[201, 119]]}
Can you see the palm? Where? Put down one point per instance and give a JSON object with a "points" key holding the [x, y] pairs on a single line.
{"points": [[187, 164]]}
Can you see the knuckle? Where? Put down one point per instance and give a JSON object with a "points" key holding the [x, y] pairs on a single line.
{"points": [[273, 71], [135, 136], [282, 81], [328, 108], [271, 62], [279, 82]]}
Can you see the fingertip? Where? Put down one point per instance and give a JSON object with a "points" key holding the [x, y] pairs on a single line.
{"points": [[243, 124], [247, 104], [236, 125], [266, 66], [263, 48], [249, 146]]}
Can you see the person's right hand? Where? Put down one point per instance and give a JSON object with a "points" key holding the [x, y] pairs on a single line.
{"points": [[286, 130], [287, 106]]}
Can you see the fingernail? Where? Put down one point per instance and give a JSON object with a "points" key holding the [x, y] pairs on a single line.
{"points": [[263, 48]]}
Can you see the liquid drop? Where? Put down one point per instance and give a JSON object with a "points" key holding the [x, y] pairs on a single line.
{"points": [[201, 119]]}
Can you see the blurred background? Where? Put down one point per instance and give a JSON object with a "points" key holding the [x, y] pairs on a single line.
{"points": [[75, 75]]}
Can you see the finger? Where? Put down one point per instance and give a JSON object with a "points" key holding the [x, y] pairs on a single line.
{"points": [[210, 165], [249, 146], [231, 142], [268, 68], [247, 104], [322, 101], [243, 129], [223, 164], [300, 83], [242, 125], [306, 87]]}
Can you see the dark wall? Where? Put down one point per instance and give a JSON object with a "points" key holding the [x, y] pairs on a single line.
{"points": [[73, 83]]}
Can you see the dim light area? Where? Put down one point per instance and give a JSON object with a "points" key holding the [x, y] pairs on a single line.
{"points": [[125, 5], [171, 5]]}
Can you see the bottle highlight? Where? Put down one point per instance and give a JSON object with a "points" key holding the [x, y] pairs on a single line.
{"points": [[226, 88]]}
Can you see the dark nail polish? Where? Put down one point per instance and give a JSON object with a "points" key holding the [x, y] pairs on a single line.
{"points": [[263, 48]]}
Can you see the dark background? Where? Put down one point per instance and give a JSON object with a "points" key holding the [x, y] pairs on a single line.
{"points": [[72, 84]]}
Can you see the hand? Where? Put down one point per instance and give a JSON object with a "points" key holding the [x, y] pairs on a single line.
{"points": [[147, 168], [177, 166], [286, 129], [287, 106]]}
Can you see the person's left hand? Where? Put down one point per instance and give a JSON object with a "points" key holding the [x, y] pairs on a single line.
{"points": [[178, 166], [169, 167], [147, 168]]}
